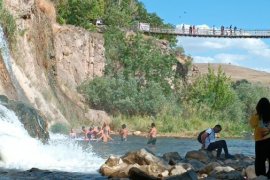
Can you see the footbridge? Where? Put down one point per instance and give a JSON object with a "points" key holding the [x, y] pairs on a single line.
{"points": [[209, 33]]}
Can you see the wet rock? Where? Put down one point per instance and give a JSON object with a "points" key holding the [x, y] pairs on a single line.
{"points": [[136, 133], [235, 175], [177, 170], [198, 155], [172, 156], [209, 167], [137, 174], [113, 161], [197, 165], [189, 175], [250, 172]]}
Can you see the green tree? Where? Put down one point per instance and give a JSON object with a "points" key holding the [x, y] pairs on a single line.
{"points": [[249, 94], [212, 90]]}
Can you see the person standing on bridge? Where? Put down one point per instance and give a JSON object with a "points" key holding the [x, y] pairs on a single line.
{"points": [[193, 29], [222, 30], [190, 29], [183, 29], [214, 30], [234, 30]]}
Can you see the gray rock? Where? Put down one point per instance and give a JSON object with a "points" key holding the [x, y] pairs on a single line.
{"points": [[174, 156], [189, 175], [137, 174]]}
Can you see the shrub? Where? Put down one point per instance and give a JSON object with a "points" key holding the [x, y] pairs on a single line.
{"points": [[60, 128]]}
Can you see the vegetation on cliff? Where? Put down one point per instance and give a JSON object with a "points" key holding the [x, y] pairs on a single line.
{"points": [[8, 24], [140, 84]]}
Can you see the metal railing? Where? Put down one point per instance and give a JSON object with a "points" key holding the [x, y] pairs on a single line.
{"points": [[199, 32]]}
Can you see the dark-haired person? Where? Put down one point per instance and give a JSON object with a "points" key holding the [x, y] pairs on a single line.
{"points": [[124, 132], [260, 123], [209, 142], [152, 135]]}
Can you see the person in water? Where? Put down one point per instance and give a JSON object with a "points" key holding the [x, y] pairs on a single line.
{"points": [[209, 141], [260, 122], [72, 134], [152, 134], [105, 133], [124, 132], [84, 133]]}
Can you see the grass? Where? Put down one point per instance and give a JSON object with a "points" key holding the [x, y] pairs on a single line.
{"points": [[176, 126]]}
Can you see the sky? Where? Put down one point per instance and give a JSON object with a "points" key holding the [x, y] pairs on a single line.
{"points": [[244, 14]]}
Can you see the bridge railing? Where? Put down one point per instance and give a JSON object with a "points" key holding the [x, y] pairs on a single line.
{"points": [[209, 32]]}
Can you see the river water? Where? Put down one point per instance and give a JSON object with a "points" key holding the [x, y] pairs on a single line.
{"points": [[64, 157]]}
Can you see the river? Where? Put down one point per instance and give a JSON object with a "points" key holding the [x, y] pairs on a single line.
{"points": [[64, 158]]}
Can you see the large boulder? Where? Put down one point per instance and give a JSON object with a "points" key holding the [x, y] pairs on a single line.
{"points": [[172, 156], [198, 155]]}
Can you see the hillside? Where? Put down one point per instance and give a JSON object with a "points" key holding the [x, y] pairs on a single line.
{"points": [[238, 73]]}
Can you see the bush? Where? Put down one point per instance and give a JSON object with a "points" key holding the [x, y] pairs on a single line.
{"points": [[126, 96], [8, 24], [60, 128]]}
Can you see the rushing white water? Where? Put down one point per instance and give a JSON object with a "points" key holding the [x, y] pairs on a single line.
{"points": [[20, 151]]}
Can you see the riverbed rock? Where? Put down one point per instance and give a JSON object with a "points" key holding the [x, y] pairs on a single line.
{"points": [[143, 164], [250, 172], [197, 165], [177, 170], [137, 174], [136, 133], [172, 156], [113, 161], [189, 175], [209, 167], [198, 155]]}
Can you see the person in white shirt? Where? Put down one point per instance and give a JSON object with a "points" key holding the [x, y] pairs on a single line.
{"points": [[209, 141]]}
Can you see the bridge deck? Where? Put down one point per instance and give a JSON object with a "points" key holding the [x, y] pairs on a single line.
{"points": [[209, 33]]}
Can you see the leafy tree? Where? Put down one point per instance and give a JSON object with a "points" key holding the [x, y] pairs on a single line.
{"points": [[250, 94], [212, 90], [129, 97]]}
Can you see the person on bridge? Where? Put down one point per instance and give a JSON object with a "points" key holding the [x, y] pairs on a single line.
{"points": [[190, 29], [222, 30], [193, 29], [234, 30], [183, 29], [260, 122]]}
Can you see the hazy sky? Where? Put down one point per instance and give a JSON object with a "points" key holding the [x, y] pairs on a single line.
{"points": [[244, 14]]}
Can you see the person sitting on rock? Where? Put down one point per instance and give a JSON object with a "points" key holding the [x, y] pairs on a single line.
{"points": [[209, 142]]}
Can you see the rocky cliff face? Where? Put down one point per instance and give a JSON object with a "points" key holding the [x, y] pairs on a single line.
{"points": [[50, 61]]}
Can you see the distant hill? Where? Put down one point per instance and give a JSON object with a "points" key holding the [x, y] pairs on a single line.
{"points": [[237, 72]]}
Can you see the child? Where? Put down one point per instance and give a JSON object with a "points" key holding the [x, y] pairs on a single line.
{"points": [[123, 132], [72, 134], [152, 135]]}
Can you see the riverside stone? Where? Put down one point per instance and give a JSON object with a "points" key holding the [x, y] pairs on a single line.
{"points": [[145, 165]]}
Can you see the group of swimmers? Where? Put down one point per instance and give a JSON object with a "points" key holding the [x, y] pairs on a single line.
{"points": [[98, 133]]}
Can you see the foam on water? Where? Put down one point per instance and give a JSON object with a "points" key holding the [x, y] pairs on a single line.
{"points": [[20, 151]]}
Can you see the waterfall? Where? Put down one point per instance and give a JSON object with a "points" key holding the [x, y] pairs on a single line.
{"points": [[20, 151], [4, 50]]}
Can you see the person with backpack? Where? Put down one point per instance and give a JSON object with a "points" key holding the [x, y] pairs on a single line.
{"points": [[208, 140]]}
